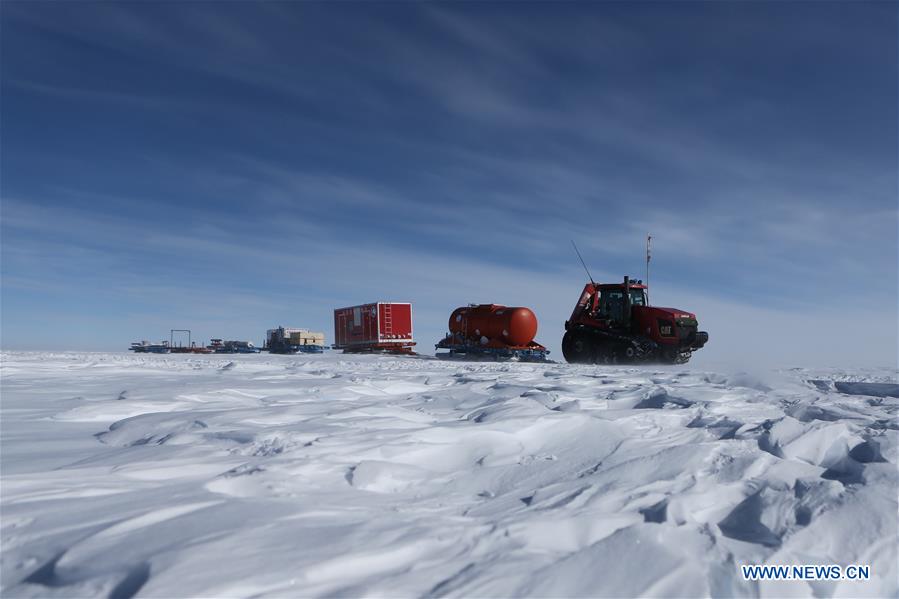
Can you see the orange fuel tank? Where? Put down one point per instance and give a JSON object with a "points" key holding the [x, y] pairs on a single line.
{"points": [[499, 324]]}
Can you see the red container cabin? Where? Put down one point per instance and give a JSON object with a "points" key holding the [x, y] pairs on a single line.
{"points": [[382, 326]]}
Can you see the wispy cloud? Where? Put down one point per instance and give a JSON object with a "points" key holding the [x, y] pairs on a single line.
{"points": [[264, 162]]}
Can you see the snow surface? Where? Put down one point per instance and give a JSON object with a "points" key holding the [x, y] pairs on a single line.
{"points": [[176, 476]]}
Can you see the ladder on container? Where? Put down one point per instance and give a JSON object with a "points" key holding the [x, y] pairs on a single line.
{"points": [[388, 321]]}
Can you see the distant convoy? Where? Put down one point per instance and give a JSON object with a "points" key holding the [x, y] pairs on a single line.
{"points": [[611, 323], [216, 346]]}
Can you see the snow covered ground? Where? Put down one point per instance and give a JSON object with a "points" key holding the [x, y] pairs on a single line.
{"points": [[175, 476]]}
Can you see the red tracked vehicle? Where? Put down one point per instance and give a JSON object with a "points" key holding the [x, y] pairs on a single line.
{"points": [[612, 323]]}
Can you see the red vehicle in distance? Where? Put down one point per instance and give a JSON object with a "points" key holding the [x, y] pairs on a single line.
{"points": [[613, 323]]}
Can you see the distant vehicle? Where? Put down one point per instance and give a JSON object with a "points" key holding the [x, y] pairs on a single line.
{"points": [[491, 330], [384, 327], [291, 341], [193, 348], [190, 348], [232, 347], [145, 347]]}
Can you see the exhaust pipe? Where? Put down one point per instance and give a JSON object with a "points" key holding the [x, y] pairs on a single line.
{"points": [[627, 300]]}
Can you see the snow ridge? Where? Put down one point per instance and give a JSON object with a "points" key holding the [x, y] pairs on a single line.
{"points": [[328, 475]]}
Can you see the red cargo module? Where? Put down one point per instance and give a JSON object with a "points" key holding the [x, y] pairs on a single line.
{"points": [[383, 326]]}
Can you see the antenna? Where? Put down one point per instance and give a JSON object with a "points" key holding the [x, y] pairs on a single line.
{"points": [[648, 258], [582, 262]]}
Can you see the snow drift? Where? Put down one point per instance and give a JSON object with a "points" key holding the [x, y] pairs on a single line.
{"points": [[173, 476]]}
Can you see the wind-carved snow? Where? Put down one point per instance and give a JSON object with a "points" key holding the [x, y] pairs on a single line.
{"points": [[172, 476]]}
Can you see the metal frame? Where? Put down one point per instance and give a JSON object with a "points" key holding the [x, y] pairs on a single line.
{"points": [[533, 353], [172, 337]]}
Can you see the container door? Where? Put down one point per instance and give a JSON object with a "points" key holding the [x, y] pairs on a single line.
{"points": [[401, 321]]}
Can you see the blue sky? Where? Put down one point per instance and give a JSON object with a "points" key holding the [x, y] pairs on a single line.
{"points": [[228, 167]]}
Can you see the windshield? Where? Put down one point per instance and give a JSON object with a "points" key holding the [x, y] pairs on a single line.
{"points": [[611, 302], [638, 297]]}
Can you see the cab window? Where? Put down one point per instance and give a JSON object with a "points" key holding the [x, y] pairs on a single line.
{"points": [[638, 297], [611, 303]]}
